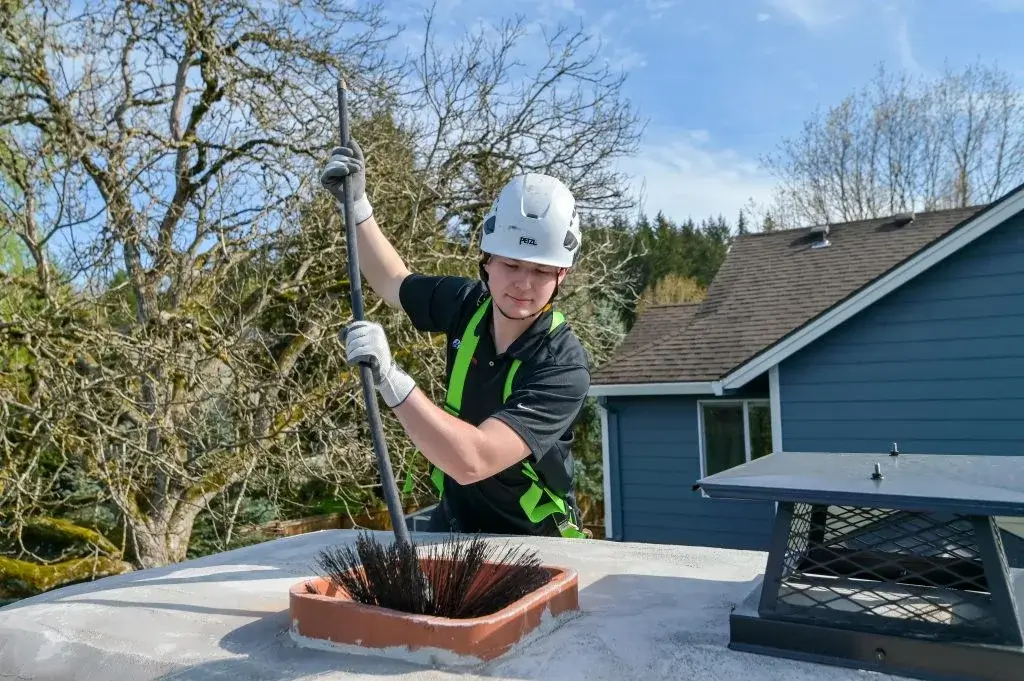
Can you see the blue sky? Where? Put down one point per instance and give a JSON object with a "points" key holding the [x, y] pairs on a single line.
{"points": [[722, 82]]}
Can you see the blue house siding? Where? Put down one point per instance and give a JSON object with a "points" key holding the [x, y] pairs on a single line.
{"points": [[937, 366], [654, 454]]}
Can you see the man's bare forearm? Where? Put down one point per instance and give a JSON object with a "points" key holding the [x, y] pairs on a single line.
{"points": [[463, 451], [379, 262]]}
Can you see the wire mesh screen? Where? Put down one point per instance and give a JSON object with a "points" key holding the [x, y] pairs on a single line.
{"points": [[887, 571]]}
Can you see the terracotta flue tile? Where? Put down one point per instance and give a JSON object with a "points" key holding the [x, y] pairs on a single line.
{"points": [[329, 618]]}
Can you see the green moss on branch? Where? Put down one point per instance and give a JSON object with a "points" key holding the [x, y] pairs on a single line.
{"points": [[66, 533], [21, 579]]}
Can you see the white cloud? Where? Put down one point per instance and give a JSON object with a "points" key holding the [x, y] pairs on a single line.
{"points": [[608, 29], [656, 8], [683, 175], [906, 48], [815, 14]]}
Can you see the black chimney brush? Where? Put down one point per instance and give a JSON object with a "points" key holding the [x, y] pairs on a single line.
{"points": [[455, 578]]}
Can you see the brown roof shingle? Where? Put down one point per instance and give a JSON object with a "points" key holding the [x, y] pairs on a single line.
{"points": [[768, 286], [650, 327]]}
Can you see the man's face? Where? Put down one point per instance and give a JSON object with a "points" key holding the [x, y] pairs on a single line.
{"points": [[521, 289]]}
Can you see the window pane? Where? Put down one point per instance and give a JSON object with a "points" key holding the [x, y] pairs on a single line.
{"points": [[723, 437], [760, 430]]}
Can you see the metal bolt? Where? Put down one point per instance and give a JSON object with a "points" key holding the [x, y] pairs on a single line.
{"points": [[895, 450], [880, 654], [877, 475]]}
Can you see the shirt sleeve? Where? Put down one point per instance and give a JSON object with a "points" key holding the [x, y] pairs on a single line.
{"points": [[545, 404], [433, 303]]}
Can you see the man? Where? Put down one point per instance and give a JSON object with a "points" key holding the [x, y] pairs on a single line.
{"points": [[500, 448]]}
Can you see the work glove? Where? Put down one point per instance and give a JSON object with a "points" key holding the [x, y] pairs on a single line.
{"points": [[348, 161], [365, 343]]}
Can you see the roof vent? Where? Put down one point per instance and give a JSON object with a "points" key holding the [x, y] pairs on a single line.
{"points": [[820, 231], [902, 219]]}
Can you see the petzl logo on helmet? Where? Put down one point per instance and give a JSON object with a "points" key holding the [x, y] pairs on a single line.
{"points": [[527, 240]]}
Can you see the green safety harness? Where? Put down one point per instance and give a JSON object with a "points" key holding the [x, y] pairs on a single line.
{"points": [[568, 526]]}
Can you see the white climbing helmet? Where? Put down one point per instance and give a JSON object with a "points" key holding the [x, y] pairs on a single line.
{"points": [[533, 219]]}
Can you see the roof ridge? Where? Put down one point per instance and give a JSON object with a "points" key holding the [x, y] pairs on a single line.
{"points": [[679, 304], [861, 221]]}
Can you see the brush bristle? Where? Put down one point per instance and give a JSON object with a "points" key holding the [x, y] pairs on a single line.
{"points": [[453, 578]]}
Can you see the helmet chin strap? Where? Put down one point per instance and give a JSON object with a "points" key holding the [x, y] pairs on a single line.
{"points": [[546, 307], [518, 319]]}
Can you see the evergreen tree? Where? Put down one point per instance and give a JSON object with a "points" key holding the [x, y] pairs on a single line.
{"points": [[741, 224]]}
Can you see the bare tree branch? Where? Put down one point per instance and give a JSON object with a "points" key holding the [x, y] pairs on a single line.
{"points": [[903, 144]]}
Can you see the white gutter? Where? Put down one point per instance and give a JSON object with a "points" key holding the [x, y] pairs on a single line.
{"points": [[679, 388]]}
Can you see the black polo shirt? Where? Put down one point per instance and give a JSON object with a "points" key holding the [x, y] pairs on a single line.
{"points": [[547, 396]]}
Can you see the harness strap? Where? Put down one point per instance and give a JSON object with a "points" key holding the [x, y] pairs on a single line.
{"points": [[568, 525], [463, 357]]}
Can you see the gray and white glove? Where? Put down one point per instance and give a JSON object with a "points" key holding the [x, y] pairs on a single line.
{"points": [[365, 343], [348, 161]]}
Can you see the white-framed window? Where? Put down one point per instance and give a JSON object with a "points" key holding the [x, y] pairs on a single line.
{"points": [[733, 432]]}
